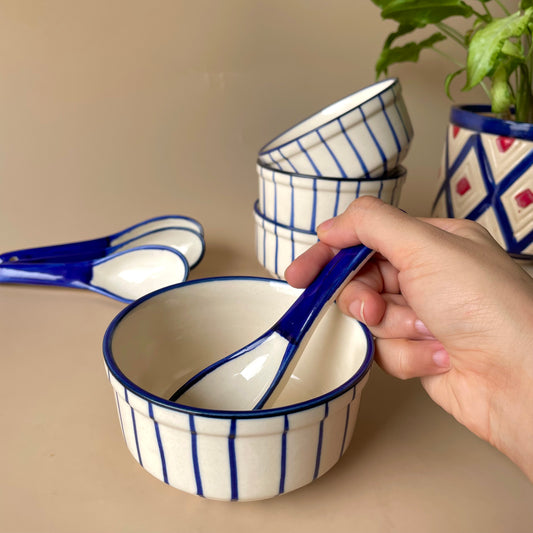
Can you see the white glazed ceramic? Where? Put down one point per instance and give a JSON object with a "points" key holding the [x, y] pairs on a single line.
{"points": [[187, 241], [365, 134], [130, 274], [124, 275], [157, 343], [278, 245], [304, 202]]}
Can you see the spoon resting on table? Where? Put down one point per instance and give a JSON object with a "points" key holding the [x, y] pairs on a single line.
{"points": [[252, 377], [124, 275], [166, 231]]}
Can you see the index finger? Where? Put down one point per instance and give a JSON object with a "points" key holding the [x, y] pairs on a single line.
{"points": [[382, 227]]}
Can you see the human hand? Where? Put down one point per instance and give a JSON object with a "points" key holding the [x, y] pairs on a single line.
{"points": [[445, 304]]}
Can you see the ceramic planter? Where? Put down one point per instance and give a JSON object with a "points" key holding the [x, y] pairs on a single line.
{"points": [[486, 175]]}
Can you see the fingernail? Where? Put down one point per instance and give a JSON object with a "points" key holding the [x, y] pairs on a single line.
{"points": [[326, 225], [421, 328], [441, 358], [357, 310]]}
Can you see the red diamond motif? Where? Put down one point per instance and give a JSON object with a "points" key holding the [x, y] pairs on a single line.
{"points": [[455, 131], [504, 143], [524, 198], [463, 186]]}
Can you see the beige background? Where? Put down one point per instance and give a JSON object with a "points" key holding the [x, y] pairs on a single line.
{"points": [[116, 111]]}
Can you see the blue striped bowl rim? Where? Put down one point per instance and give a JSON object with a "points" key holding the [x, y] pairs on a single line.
{"points": [[471, 117], [213, 413], [272, 145], [394, 174]]}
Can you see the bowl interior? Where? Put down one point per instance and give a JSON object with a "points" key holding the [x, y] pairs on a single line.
{"points": [[167, 338]]}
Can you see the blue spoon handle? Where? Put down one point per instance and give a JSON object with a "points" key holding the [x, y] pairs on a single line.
{"points": [[81, 251], [295, 323], [63, 274]]}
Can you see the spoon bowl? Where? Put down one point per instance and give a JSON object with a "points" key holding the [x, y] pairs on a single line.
{"points": [[253, 376], [188, 242]]}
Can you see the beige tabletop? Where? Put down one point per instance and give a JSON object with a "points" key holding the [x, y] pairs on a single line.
{"points": [[112, 112]]}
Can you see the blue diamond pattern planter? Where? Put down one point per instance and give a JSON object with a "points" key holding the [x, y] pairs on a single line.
{"points": [[486, 175]]}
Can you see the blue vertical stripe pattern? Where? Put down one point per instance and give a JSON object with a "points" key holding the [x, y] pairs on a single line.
{"points": [[380, 190], [396, 92], [283, 469], [263, 187], [264, 243], [346, 423], [287, 160], [275, 162], [337, 199], [320, 439], [313, 209], [405, 129], [385, 118], [139, 458], [304, 151], [355, 151], [330, 151], [292, 200], [393, 131], [194, 453], [233, 460], [293, 247], [276, 250], [275, 196], [159, 443], [228, 486], [376, 142]]}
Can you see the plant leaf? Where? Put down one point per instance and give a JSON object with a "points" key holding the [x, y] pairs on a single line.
{"points": [[403, 29], [449, 79], [408, 52], [525, 4], [487, 43], [512, 49], [420, 13], [500, 93]]}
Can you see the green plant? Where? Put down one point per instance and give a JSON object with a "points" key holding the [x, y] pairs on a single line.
{"points": [[499, 52]]}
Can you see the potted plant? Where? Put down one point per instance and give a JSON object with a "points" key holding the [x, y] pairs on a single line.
{"points": [[487, 168]]}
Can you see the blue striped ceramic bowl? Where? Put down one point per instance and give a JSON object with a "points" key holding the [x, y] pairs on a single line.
{"points": [[157, 343], [365, 135], [303, 202], [278, 245]]}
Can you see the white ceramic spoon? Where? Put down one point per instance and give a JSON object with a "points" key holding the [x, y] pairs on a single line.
{"points": [[188, 242], [252, 377], [94, 248], [125, 275]]}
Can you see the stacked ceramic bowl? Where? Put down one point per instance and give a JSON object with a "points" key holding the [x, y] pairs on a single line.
{"points": [[315, 169]]}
